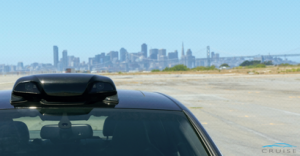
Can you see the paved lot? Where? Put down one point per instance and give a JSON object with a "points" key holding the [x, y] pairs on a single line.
{"points": [[242, 113]]}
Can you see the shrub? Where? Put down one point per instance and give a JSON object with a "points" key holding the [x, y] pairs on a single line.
{"points": [[260, 66], [179, 67], [249, 63], [155, 70], [285, 64], [268, 63], [257, 66], [254, 64], [201, 68], [224, 65]]}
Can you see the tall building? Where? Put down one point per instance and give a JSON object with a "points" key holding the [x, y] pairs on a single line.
{"points": [[55, 56], [153, 54], [162, 52], [212, 55], [70, 61], [190, 59], [182, 51], [133, 57], [172, 58], [123, 52], [173, 55], [144, 50], [5, 69], [107, 58], [208, 55], [213, 60], [189, 52], [20, 66], [183, 57], [200, 61], [99, 58], [162, 58], [217, 56], [114, 55], [12, 68], [76, 62], [91, 61], [127, 57], [65, 58], [176, 54]]}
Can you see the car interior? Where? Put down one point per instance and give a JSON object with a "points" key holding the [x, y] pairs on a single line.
{"points": [[122, 134]]}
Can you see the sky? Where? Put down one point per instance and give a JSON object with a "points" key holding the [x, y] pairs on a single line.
{"points": [[29, 29]]}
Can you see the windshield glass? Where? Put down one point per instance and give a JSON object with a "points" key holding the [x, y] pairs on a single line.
{"points": [[77, 131]]}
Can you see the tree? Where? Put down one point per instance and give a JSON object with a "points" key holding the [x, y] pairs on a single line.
{"points": [[254, 64], [268, 63], [250, 63], [224, 65]]}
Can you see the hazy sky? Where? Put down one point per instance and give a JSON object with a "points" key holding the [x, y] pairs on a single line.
{"points": [[29, 29]]}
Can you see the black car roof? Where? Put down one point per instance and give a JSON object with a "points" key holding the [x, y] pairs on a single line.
{"points": [[127, 99]]}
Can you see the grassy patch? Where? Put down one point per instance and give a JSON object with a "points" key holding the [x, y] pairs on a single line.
{"points": [[202, 68], [285, 65], [155, 70]]}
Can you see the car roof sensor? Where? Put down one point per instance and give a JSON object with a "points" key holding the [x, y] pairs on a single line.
{"points": [[63, 90]]}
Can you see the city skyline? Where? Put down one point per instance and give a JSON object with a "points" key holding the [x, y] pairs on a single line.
{"points": [[57, 53], [143, 60], [196, 54]]}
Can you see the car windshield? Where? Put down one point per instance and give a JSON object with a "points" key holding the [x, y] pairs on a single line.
{"points": [[97, 131]]}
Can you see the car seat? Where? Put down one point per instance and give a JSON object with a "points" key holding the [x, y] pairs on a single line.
{"points": [[129, 138], [13, 135]]}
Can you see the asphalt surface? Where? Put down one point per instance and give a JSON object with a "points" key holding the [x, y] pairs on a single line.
{"points": [[241, 113]]}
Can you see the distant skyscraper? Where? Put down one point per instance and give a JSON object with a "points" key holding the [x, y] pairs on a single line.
{"points": [[217, 56], [12, 68], [55, 56], [183, 57], [173, 55], [20, 66], [6, 69], [107, 58], [99, 58], [162, 52], [212, 55], [133, 57], [76, 62], [153, 54], [71, 61], [190, 59], [182, 50], [144, 50], [114, 55], [123, 52], [189, 52], [208, 56], [65, 58], [91, 61]]}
